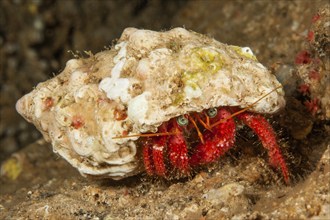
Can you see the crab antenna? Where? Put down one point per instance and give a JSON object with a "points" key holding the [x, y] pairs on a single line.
{"points": [[244, 109], [205, 125], [146, 135], [207, 119], [198, 131]]}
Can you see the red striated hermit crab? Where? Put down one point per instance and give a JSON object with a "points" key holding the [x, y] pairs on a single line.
{"points": [[168, 96]]}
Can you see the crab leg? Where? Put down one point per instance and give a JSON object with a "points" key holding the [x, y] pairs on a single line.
{"points": [[267, 137], [158, 150], [217, 142], [147, 159], [153, 154], [178, 151]]}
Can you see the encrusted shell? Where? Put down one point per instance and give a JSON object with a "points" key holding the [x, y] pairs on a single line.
{"points": [[147, 78]]}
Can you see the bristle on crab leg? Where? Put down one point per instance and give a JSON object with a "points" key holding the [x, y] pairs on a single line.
{"points": [[158, 156], [267, 136], [178, 151], [147, 156]]}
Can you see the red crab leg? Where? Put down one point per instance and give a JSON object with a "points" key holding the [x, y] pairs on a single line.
{"points": [[158, 149], [147, 159], [267, 136], [217, 142], [177, 150], [153, 154]]}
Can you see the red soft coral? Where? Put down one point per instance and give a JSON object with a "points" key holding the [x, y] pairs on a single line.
{"points": [[312, 106], [304, 89], [303, 57]]}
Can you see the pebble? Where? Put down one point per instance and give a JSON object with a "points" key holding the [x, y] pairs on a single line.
{"points": [[223, 193]]}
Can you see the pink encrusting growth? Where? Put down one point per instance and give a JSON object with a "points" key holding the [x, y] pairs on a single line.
{"points": [[314, 75], [310, 36], [48, 103], [303, 57], [312, 105], [77, 122], [304, 89], [316, 18], [312, 67]]}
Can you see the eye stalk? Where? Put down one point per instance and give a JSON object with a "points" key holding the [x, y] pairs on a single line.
{"points": [[212, 112], [182, 121]]}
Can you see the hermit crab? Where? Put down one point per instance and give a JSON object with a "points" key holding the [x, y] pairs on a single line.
{"points": [[163, 102]]}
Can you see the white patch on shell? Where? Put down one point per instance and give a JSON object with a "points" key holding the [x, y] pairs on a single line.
{"points": [[115, 72], [138, 107], [82, 146], [122, 52], [191, 92], [78, 78], [143, 69], [116, 88], [85, 92], [72, 64], [127, 154]]}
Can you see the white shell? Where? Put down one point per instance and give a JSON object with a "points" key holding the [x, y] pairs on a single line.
{"points": [[150, 76]]}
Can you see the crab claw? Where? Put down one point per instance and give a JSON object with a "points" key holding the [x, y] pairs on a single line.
{"points": [[217, 141]]}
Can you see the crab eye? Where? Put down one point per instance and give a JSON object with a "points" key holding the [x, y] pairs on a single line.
{"points": [[212, 112], [182, 121]]}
